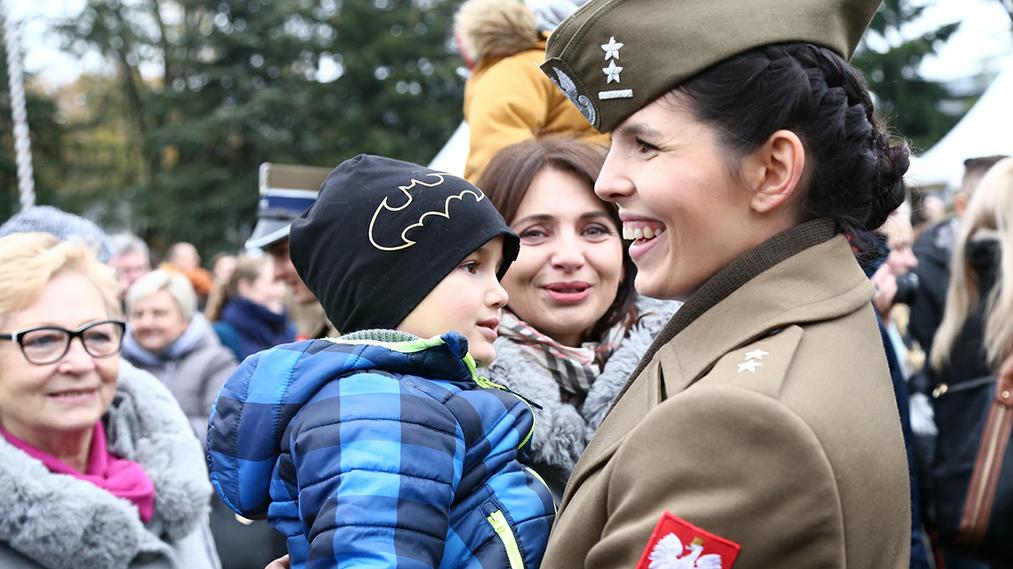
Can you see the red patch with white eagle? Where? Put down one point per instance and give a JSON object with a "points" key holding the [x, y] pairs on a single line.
{"points": [[678, 544]]}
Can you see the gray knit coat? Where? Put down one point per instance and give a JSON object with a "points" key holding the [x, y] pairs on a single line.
{"points": [[55, 521], [194, 368]]}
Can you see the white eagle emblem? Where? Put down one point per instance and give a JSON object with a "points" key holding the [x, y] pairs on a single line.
{"points": [[668, 554], [569, 88]]}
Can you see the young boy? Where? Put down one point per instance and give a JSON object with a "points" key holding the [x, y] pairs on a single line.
{"points": [[384, 448]]}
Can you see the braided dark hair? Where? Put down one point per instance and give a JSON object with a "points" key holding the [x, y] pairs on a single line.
{"points": [[854, 173]]}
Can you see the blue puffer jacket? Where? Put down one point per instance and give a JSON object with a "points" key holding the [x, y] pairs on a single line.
{"points": [[380, 450]]}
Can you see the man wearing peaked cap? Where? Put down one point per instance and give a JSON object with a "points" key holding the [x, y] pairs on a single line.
{"points": [[612, 57], [286, 191], [760, 430]]}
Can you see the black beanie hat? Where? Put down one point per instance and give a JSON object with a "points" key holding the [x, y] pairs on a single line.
{"points": [[383, 233]]}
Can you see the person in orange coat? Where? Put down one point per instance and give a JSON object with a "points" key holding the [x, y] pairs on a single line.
{"points": [[506, 98]]}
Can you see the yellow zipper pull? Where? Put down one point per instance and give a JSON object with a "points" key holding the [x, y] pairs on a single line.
{"points": [[502, 528]]}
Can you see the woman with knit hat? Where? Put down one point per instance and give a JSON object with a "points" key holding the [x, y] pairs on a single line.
{"points": [[760, 429]]}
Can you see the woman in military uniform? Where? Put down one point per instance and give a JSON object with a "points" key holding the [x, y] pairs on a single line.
{"points": [[760, 430]]}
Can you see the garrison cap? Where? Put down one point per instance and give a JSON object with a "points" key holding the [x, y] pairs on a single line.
{"points": [[613, 57], [286, 191]]}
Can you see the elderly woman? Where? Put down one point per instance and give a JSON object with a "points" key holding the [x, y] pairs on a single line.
{"points": [[575, 327], [248, 308], [167, 337], [760, 430], [98, 467]]}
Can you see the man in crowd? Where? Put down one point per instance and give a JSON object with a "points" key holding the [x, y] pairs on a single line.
{"points": [[285, 193], [184, 258], [131, 259]]}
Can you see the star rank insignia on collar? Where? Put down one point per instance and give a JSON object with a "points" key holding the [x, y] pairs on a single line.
{"points": [[678, 544], [752, 361], [612, 72]]}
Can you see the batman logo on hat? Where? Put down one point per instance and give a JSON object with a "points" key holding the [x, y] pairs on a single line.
{"points": [[398, 220]]}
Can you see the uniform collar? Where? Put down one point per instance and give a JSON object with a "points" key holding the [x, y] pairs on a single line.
{"points": [[701, 325], [819, 283]]}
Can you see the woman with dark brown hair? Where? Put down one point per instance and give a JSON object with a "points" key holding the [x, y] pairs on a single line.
{"points": [[575, 327], [761, 428]]}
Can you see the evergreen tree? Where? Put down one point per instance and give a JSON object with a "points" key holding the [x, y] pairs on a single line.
{"points": [[916, 107], [243, 84]]}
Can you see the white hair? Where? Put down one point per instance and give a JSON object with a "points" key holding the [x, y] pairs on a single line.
{"points": [[127, 242], [177, 285]]}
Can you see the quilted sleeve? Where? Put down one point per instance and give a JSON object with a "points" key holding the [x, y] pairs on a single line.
{"points": [[376, 463]]}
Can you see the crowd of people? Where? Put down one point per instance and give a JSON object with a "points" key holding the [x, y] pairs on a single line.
{"points": [[679, 311]]}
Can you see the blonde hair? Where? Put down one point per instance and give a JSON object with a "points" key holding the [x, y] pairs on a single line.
{"points": [[30, 260], [176, 284], [989, 211], [247, 270]]}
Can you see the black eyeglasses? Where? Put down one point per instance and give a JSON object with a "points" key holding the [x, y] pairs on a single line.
{"points": [[48, 344]]}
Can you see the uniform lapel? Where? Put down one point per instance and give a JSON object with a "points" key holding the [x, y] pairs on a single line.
{"points": [[642, 395], [728, 280], [794, 290]]}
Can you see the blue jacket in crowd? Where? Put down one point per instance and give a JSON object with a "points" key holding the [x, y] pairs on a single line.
{"points": [[246, 327], [380, 450]]}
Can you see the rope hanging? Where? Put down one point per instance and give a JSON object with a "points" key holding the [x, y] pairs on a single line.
{"points": [[19, 115]]}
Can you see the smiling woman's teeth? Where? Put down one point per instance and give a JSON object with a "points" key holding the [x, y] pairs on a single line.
{"points": [[640, 232]]}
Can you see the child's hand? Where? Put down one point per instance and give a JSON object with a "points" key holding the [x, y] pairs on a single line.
{"points": [[280, 563]]}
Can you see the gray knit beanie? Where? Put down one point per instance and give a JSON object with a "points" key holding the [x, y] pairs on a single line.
{"points": [[48, 219]]}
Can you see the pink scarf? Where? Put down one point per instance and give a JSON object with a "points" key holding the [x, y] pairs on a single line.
{"points": [[120, 477]]}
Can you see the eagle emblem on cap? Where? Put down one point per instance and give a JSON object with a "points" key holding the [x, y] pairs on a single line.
{"points": [[569, 88], [406, 218]]}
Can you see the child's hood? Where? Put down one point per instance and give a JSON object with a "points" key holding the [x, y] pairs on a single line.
{"points": [[255, 406]]}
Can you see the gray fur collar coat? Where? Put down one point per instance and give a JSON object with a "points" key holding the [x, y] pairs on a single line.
{"points": [[562, 430], [58, 522]]}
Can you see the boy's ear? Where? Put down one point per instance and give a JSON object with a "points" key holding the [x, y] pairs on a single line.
{"points": [[774, 171]]}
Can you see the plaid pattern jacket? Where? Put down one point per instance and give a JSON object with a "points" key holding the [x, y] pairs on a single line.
{"points": [[380, 454]]}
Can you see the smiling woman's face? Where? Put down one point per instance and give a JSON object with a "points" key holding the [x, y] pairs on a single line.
{"points": [[156, 321], [571, 259], [40, 402], [688, 215]]}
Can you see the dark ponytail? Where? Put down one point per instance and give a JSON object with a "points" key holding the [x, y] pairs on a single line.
{"points": [[854, 171]]}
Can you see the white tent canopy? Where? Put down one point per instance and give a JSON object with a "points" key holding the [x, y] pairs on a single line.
{"points": [[452, 156], [987, 129]]}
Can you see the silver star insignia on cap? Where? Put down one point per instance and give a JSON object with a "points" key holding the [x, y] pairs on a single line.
{"points": [[612, 72], [611, 48]]}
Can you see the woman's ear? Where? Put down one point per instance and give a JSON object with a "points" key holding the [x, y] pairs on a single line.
{"points": [[774, 171]]}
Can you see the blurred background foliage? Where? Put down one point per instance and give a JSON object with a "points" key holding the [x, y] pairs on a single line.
{"points": [[239, 83], [305, 82]]}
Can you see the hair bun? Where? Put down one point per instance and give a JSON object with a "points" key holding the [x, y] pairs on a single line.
{"points": [[889, 192]]}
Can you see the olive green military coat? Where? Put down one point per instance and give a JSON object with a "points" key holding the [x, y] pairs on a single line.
{"points": [[763, 414]]}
